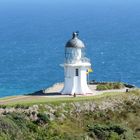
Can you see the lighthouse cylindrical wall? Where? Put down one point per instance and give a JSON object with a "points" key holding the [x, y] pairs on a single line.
{"points": [[75, 80]]}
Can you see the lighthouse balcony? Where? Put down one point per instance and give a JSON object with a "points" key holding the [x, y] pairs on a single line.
{"points": [[73, 61]]}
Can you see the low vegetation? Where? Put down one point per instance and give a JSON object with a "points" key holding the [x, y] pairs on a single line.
{"points": [[108, 86], [112, 117]]}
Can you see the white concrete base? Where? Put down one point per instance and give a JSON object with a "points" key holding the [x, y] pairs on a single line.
{"points": [[77, 91]]}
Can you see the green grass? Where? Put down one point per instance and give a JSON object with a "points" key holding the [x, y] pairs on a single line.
{"points": [[43, 100]]}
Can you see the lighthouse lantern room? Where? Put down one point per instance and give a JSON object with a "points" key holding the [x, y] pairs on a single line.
{"points": [[75, 66]]}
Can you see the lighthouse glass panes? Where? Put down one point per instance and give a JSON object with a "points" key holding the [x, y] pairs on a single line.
{"points": [[74, 54]]}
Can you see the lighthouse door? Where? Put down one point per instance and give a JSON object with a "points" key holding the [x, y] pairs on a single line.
{"points": [[76, 72], [76, 81]]}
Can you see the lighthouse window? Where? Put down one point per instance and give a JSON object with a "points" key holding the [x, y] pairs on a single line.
{"points": [[76, 72]]}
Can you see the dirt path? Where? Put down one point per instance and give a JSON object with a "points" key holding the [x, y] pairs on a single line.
{"points": [[13, 99]]}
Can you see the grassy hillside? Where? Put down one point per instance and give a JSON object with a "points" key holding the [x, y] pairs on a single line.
{"points": [[113, 116]]}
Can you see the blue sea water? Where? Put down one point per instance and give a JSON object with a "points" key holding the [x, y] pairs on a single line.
{"points": [[33, 35]]}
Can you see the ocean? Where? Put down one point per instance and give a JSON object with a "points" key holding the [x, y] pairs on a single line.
{"points": [[33, 35]]}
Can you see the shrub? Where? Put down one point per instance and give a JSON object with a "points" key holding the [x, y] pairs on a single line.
{"points": [[21, 106], [42, 118], [8, 129], [107, 86], [110, 132]]}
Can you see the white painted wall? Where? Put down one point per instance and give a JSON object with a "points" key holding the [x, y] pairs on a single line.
{"points": [[76, 84]]}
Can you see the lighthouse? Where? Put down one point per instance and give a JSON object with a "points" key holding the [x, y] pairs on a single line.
{"points": [[76, 66]]}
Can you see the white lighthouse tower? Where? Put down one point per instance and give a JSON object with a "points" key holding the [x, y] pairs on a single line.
{"points": [[75, 66]]}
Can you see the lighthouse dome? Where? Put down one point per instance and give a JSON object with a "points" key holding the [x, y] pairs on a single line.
{"points": [[75, 42]]}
